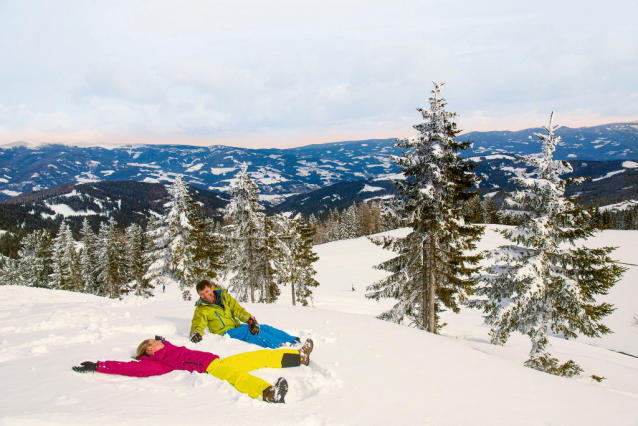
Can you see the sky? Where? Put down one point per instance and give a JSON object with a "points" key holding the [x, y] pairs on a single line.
{"points": [[286, 73]]}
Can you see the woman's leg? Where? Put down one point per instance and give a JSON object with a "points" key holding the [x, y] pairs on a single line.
{"points": [[234, 369]]}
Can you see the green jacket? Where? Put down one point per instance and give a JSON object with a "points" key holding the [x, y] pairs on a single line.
{"points": [[218, 318]]}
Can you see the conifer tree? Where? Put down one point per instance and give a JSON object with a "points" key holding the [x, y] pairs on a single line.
{"points": [[349, 228], [271, 256], [300, 269], [490, 212], [137, 263], [35, 259], [207, 247], [89, 259], [546, 279], [431, 270], [65, 261], [171, 240], [246, 235], [111, 269], [9, 271]]}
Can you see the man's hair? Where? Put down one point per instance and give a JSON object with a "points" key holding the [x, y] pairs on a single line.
{"points": [[203, 284]]}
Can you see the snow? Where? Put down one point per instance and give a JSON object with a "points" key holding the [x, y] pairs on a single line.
{"points": [[11, 193], [629, 164], [195, 168], [152, 166], [492, 157], [623, 205], [610, 174], [363, 371], [368, 188], [66, 211]]}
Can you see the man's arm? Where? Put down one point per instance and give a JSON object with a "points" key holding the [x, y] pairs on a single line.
{"points": [[240, 313], [199, 323]]}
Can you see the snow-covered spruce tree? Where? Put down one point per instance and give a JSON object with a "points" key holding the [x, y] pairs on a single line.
{"points": [[246, 235], [271, 256], [89, 259], [111, 261], [207, 246], [65, 260], [170, 239], [35, 262], [9, 271], [297, 268], [349, 223], [431, 270], [137, 262], [546, 280]]}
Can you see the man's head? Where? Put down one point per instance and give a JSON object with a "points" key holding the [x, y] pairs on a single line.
{"points": [[205, 290]]}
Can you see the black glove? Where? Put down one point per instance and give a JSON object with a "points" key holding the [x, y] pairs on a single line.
{"points": [[159, 338], [196, 337], [86, 367], [253, 325]]}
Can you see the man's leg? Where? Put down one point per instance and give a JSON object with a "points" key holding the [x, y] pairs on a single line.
{"points": [[263, 339], [280, 336], [243, 333], [234, 369]]}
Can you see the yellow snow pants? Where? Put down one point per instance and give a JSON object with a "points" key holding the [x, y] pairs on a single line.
{"points": [[235, 369]]}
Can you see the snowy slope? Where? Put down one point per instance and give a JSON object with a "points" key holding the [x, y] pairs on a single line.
{"points": [[363, 371]]}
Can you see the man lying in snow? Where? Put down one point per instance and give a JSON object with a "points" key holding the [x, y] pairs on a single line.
{"points": [[217, 310], [158, 356]]}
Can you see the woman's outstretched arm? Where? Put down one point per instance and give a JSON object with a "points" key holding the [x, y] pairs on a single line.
{"points": [[131, 368]]}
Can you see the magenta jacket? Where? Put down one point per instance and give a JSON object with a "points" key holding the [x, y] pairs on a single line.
{"points": [[167, 359]]}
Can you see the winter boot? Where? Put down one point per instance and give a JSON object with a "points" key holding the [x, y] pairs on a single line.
{"points": [[277, 392], [304, 352]]}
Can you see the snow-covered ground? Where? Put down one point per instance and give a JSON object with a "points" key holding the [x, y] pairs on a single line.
{"points": [[363, 371]]}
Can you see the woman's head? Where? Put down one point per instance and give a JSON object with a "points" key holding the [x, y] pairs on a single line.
{"points": [[148, 347]]}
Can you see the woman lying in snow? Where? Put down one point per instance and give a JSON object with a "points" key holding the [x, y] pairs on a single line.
{"points": [[158, 356]]}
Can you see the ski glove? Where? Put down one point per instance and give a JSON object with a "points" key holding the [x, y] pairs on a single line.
{"points": [[159, 338], [86, 367], [253, 325], [196, 337]]}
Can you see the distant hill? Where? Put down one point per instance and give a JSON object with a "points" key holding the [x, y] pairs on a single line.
{"points": [[127, 202]]}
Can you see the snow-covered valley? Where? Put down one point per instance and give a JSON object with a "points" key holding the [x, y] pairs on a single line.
{"points": [[363, 371]]}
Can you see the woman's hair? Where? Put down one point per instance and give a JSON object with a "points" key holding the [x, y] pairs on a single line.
{"points": [[141, 349]]}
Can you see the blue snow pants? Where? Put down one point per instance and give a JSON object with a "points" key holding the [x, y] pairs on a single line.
{"points": [[268, 337]]}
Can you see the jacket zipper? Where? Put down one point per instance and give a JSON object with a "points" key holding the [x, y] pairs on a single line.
{"points": [[220, 318], [188, 362]]}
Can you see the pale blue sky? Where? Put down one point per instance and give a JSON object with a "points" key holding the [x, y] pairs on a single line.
{"points": [[257, 73]]}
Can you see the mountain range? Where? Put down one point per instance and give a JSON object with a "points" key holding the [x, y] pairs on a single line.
{"points": [[280, 173]]}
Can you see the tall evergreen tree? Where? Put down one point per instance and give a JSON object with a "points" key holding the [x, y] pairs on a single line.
{"points": [[9, 271], [207, 247], [545, 279], [89, 259], [431, 270], [299, 266], [65, 260], [137, 262], [246, 235], [171, 242], [35, 262], [111, 269]]}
